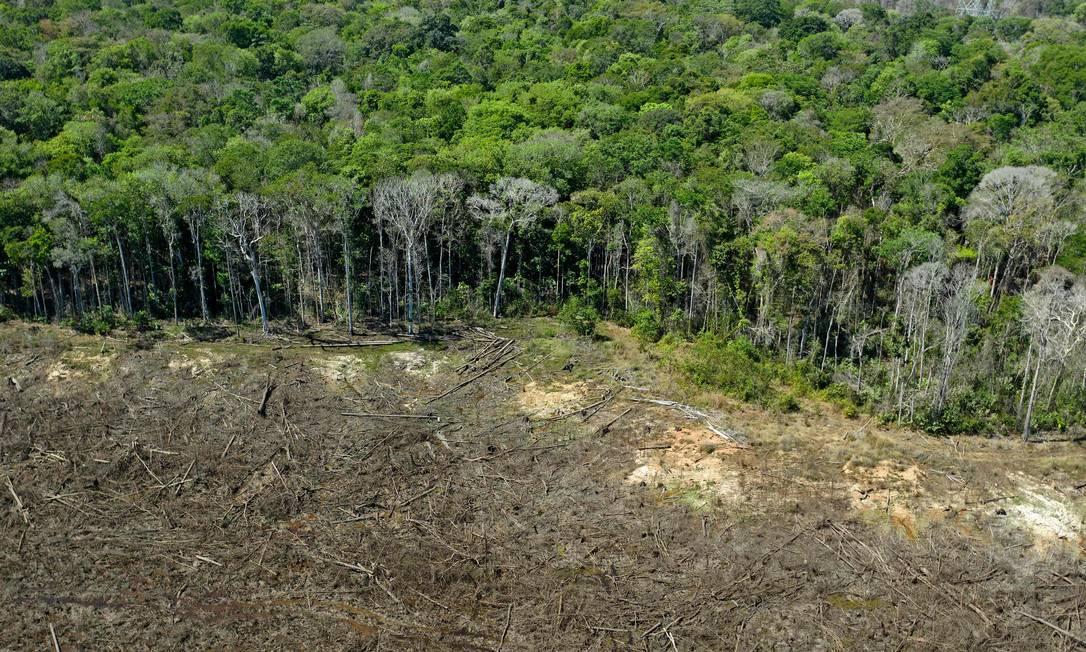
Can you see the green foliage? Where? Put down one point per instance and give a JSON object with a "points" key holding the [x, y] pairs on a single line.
{"points": [[579, 315], [766, 13], [734, 367], [142, 322], [647, 326], [100, 321], [773, 171]]}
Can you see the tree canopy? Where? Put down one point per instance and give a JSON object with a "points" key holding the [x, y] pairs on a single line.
{"points": [[866, 197]]}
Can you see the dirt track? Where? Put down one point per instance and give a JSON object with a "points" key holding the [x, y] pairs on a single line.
{"points": [[160, 510]]}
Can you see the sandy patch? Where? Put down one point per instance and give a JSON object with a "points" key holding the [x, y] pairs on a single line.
{"points": [[694, 458], [553, 400], [1045, 514], [887, 488], [414, 363], [339, 368], [78, 365], [194, 365]]}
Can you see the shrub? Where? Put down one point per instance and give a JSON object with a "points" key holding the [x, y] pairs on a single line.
{"points": [[142, 322], [646, 326], [732, 366], [97, 322], [579, 315], [788, 403], [6, 314]]}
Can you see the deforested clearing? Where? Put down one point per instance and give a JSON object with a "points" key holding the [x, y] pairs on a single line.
{"points": [[265, 494]]}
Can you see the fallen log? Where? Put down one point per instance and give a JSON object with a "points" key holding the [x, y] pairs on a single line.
{"points": [[339, 345], [391, 416], [496, 365], [268, 388], [697, 415]]}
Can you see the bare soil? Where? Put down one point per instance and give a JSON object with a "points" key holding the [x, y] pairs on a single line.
{"points": [[146, 504]]}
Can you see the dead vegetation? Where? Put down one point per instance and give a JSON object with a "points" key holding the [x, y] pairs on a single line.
{"points": [[500, 491]]}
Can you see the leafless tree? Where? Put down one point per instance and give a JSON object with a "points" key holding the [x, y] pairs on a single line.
{"points": [[341, 202], [1054, 316], [685, 237], [753, 198], [513, 203], [449, 209], [846, 18], [780, 104], [407, 205], [918, 294], [759, 155], [958, 310], [1012, 217], [245, 221]]}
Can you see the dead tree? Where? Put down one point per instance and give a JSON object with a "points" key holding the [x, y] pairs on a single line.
{"points": [[407, 204], [245, 223], [1054, 315], [958, 310]]}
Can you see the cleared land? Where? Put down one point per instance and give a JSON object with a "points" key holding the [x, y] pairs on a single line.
{"points": [[520, 491]]}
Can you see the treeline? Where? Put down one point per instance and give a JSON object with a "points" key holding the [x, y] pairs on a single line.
{"points": [[883, 207]]}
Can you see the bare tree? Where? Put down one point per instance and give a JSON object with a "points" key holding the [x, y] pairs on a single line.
{"points": [[245, 222], [958, 309], [685, 236], [1054, 315], [1012, 219], [918, 293], [759, 155], [342, 199], [753, 198], [407, 204], [513, 203]]}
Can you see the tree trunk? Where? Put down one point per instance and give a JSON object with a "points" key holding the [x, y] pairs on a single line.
{"points": [[1026, 427], [124, 273], [501, 272], [200, 272], [94, 281], [347, 280], [149, 277], [173, 280], [253, 269], [410, 291]]}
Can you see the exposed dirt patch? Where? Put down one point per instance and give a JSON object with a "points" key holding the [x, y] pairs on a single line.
{"points": [[416, 363], [196, 364], [343, 368], [1049, 517], [889, 489], [542, 400], [687, 457], [79, 365]]}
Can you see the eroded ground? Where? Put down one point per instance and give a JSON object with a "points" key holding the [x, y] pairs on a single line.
{"points": [[544, 503]]}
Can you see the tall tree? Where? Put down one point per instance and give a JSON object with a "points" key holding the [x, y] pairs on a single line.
{"points": [[407, 205], [245, 221], [512, 204]]}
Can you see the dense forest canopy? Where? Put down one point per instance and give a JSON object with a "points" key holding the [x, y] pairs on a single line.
{"points": [[882, 206]]}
